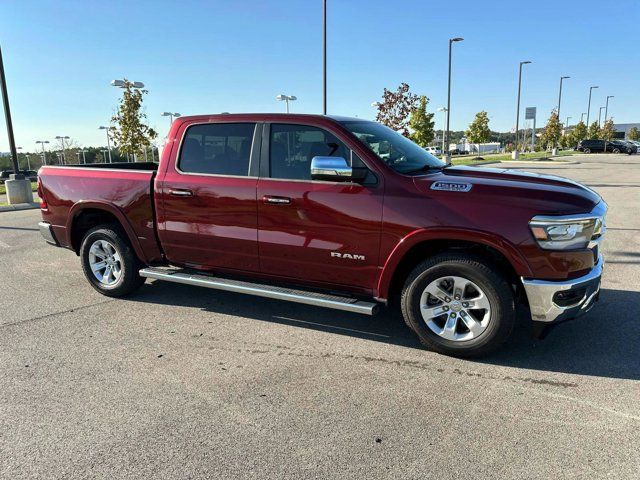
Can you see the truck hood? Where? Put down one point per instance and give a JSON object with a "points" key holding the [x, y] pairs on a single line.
{"points": [[547, 194]]}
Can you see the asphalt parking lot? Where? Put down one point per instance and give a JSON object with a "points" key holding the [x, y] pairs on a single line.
{"points": [[181, 382]]}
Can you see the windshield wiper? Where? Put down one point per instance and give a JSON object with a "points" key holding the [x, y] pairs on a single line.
{"points": [[425, 168]]}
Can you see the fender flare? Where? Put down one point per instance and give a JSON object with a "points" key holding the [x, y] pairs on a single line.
{"points": [[82, 205], [507, 249]]}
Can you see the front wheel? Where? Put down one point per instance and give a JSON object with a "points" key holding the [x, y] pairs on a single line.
{"points": [[109, 262], [587, 150], [458, 305]]}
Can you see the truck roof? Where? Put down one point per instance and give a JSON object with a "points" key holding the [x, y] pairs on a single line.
{"points": [[266, 117]]}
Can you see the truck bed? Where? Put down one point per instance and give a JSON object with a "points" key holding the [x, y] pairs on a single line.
{"points": [[125, 190]]}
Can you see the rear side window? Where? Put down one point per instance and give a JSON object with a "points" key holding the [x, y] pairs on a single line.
{"points": [[293, 146], [217, 148]]}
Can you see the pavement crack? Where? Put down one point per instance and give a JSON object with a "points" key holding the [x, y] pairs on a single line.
{"points": [[48, 315]]}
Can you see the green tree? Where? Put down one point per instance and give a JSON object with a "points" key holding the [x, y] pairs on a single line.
{"points": [[594, 131], [579, 132], [130, 134], [552, 131], [568, 139], [479, 131], [633, 134], [421, 123], [395, 108], [607, 131]]}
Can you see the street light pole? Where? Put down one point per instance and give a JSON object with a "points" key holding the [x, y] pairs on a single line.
{"points": [[555, 152], [44, 154], [62, 139], [560, 94], [106, 129], [606, 108], [589, 106], [515, 154], [582, 117], [324, 58], [286, 99], [567, 124], [600, 115], [443, 109], [171, 116], [448, 135], [7, 117]]}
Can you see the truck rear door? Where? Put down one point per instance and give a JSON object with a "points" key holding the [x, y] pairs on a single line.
{"points": [[207, 213]]}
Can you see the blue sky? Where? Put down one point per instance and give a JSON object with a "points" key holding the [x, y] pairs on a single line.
{"points": [[237, 55]]}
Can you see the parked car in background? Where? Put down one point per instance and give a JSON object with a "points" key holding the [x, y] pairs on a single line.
{"points": [[601, 146], [622, 146], [433, 150], [30, 174], [636, 143]]}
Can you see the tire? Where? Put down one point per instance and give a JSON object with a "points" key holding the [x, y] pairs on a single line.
{"points": [[587, 150], [616, 150], [629, 151], [109, 242], [493, 324]]}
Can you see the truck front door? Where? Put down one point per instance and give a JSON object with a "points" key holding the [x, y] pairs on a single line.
{"points": [[315, 231]]}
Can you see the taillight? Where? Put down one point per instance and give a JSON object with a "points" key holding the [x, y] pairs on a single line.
{"points": [[39, 190]]}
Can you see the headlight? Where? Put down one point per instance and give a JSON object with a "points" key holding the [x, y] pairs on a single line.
{"points": [[566, 232]]}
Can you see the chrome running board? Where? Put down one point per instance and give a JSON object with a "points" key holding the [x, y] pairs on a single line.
{"points": [[335, 302]]}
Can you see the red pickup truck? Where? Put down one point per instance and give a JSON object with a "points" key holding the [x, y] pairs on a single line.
{"points": [[336, 212]]}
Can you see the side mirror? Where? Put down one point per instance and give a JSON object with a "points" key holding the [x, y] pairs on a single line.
{"points": [[334, 169]]}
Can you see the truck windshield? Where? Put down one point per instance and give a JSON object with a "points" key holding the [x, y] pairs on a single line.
{"points": [[394, 149]]}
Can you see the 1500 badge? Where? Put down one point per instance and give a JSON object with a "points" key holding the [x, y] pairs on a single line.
{"points": [[451, 186]]}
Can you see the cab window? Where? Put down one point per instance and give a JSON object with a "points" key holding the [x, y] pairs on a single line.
{"points": [[217, 149], [292, 147]]}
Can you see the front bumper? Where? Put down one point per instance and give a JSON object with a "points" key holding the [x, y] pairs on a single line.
{"points": [[552, 301], [47, 233]]}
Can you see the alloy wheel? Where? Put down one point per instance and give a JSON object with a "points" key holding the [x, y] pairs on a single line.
{"points": [[105, 262], [455, 308]]}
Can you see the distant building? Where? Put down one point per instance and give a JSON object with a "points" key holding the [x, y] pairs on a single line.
{"points": [[623, 128]]}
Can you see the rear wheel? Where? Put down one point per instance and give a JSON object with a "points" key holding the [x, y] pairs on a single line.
{"points": [[458, 305], [587, 150], [109, 262], [616, 150]]}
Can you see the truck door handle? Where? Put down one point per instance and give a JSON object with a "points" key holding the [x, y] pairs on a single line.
{"points": [[180, 192], [276, 200]]}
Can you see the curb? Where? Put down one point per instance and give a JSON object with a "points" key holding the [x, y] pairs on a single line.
{"points": [[19, 206], [527, 161], [488, 162]]}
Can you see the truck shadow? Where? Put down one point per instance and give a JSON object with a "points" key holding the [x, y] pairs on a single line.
{"points": [[604, 343]]}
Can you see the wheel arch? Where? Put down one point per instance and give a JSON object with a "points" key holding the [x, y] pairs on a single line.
{"points": [[83, 216], [423, 243]]}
